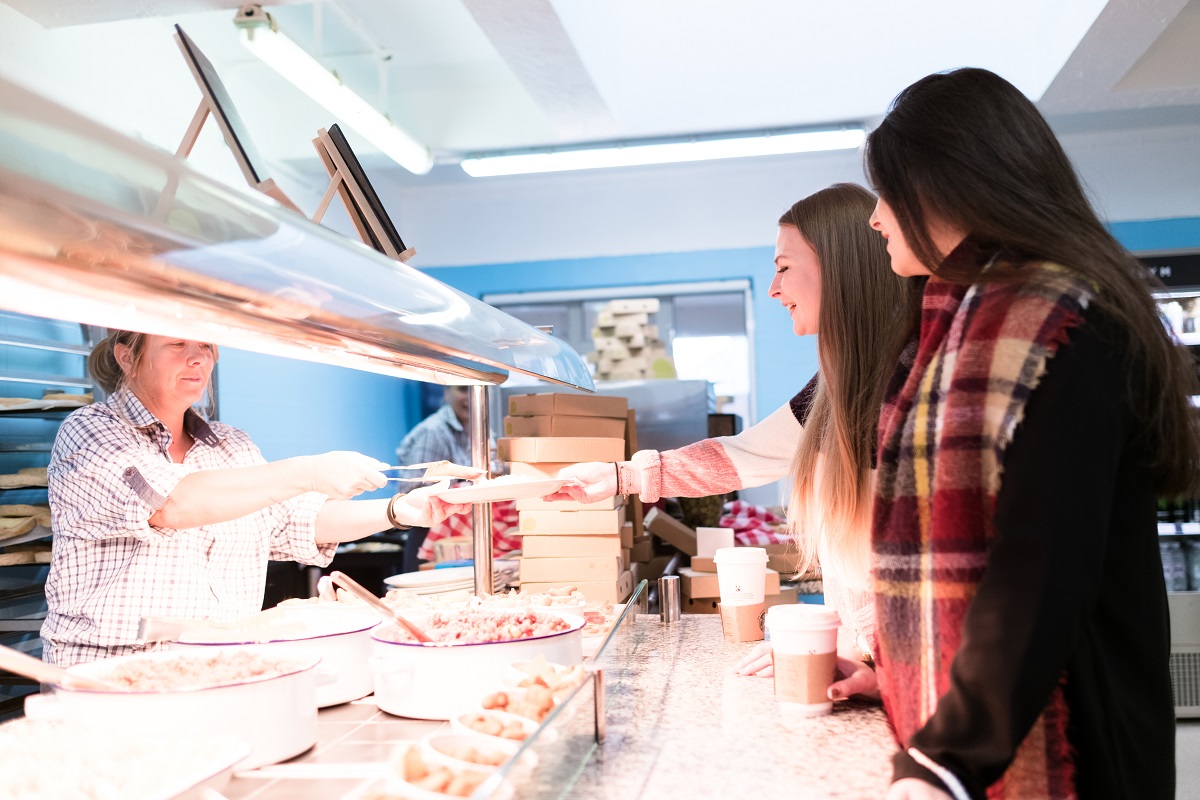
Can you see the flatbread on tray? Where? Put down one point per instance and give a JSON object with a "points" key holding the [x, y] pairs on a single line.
{"points": [[12, 527]]}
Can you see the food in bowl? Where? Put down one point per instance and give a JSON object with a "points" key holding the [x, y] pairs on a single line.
{"points": [[33, 763], [499, 724], [439, 778], [476, 626], [561, 596], [559, 679], [468, 750], [188, 672], [534, 702], [402, 599]]}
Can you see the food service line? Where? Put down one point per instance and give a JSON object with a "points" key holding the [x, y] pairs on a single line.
{"points": [[679, 721]]}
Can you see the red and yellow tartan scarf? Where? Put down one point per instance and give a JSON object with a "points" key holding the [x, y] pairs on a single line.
{"points": [[942, 436]]}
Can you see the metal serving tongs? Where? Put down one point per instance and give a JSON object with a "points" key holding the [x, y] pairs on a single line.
{"points": [[437, 470], [22, 664], [385, 611]]}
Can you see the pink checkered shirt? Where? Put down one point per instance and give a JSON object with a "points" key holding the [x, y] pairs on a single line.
{"points": [[109, 473]]}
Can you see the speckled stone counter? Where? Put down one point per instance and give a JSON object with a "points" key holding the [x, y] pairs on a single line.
{"points": [[680, 724]]}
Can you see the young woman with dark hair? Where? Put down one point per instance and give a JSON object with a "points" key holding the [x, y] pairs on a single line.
{"points": [[831, 277], [1022, 641]]}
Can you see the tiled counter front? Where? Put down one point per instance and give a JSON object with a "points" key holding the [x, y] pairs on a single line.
{"points": [[680, 723]]}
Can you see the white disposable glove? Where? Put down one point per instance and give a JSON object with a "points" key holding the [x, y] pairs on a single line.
{"points": [[420, 508], [343, 474], [591, 482]]}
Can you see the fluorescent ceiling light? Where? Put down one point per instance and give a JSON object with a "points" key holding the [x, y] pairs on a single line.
{"points": [[262, 38], [634, 154]]}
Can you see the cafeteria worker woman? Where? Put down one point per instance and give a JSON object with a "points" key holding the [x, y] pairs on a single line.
{"points": [[158, 511]]}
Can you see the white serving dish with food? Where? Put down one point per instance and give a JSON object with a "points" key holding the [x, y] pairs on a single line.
{"points": [[468, 656], [339, 632], [500, 725], [413, 778], [269, 702], [167, 768]]}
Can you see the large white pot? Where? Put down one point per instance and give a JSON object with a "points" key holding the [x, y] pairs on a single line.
{"points": [[345, 650], [441, 681], [275, 715]]}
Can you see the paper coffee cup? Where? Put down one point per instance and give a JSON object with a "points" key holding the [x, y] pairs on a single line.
{"points": [[804, 653], [741, 575]]}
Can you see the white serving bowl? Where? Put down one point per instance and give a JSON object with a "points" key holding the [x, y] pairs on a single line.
{"points": [[438, 749], [341, 636], [459, 725], [276, 715], [442, 680]]}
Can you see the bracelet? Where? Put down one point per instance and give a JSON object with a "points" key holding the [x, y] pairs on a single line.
{"points": [[391, 513], [617, 469]]}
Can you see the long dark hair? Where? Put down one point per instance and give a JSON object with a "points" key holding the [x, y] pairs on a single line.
{"points": [[863, 324], [967, 149]]}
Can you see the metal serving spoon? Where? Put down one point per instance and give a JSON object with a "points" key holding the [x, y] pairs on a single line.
{"points": [[387, 612]]}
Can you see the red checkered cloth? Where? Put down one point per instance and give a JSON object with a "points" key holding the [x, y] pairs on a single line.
{"points": [[752, 525], [504, 530]]}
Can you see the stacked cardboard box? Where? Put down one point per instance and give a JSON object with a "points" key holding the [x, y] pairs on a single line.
{"points": [[698, 583], [569, 543], [627, 343]]}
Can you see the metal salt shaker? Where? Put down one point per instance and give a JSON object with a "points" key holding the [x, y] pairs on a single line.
{"points": [[669, 601]]}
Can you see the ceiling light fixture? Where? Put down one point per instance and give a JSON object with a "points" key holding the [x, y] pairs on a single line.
{"points": [[261, 36], [635, 154]]}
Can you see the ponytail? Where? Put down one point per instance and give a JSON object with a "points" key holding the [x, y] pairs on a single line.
{"points": [[102, 363]]}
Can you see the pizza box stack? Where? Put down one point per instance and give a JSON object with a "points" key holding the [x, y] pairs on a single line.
{"points": [[565, 542], [626, 343]]}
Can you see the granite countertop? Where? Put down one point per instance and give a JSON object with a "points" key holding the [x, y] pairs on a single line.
{"points": [[679, 723]]}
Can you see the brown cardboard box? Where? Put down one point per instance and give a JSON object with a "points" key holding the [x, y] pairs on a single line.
{"points": [[595, 591], [584, 405], [705, 564], [541, 449], [564, 425], [627, 534], [625, 558], [651, 570], [634, 305], [711, 605], [642, 551], [567, 545], [704, 584], [533, 503], [636, 517], [545, 470], [570, 570], [672, 530], [783, 557], [538, 522], [631, 443]]}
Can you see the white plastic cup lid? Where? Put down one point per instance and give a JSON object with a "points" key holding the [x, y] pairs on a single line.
{"points": [[802, 617], [740, 555]]}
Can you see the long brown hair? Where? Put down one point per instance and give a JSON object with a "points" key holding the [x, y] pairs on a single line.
{"points": [[866, 318], [967, 149]]}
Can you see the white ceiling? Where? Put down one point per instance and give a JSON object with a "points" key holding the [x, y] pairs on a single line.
{"points": [[482, 75]]}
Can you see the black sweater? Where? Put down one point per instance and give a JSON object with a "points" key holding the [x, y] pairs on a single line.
{"points": [[1074, 584]]}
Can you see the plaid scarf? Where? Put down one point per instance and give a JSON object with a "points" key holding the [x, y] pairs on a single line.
{"points": [[942, 436]]}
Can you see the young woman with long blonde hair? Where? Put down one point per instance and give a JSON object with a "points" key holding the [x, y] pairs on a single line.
{"points": [[831, 277]]}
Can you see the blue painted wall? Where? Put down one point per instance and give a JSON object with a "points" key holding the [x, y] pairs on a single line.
{"points": [[293, 408]]}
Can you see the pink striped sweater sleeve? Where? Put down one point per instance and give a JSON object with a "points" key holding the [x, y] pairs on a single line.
{"points": [[756, 456]]}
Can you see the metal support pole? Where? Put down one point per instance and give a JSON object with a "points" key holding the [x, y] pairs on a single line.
{"points": [[600, 708], [481, 514]]}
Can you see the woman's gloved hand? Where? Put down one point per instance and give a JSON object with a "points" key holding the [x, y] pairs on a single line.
{"points": [[419, 508], [343, 474], [591, 482]]}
